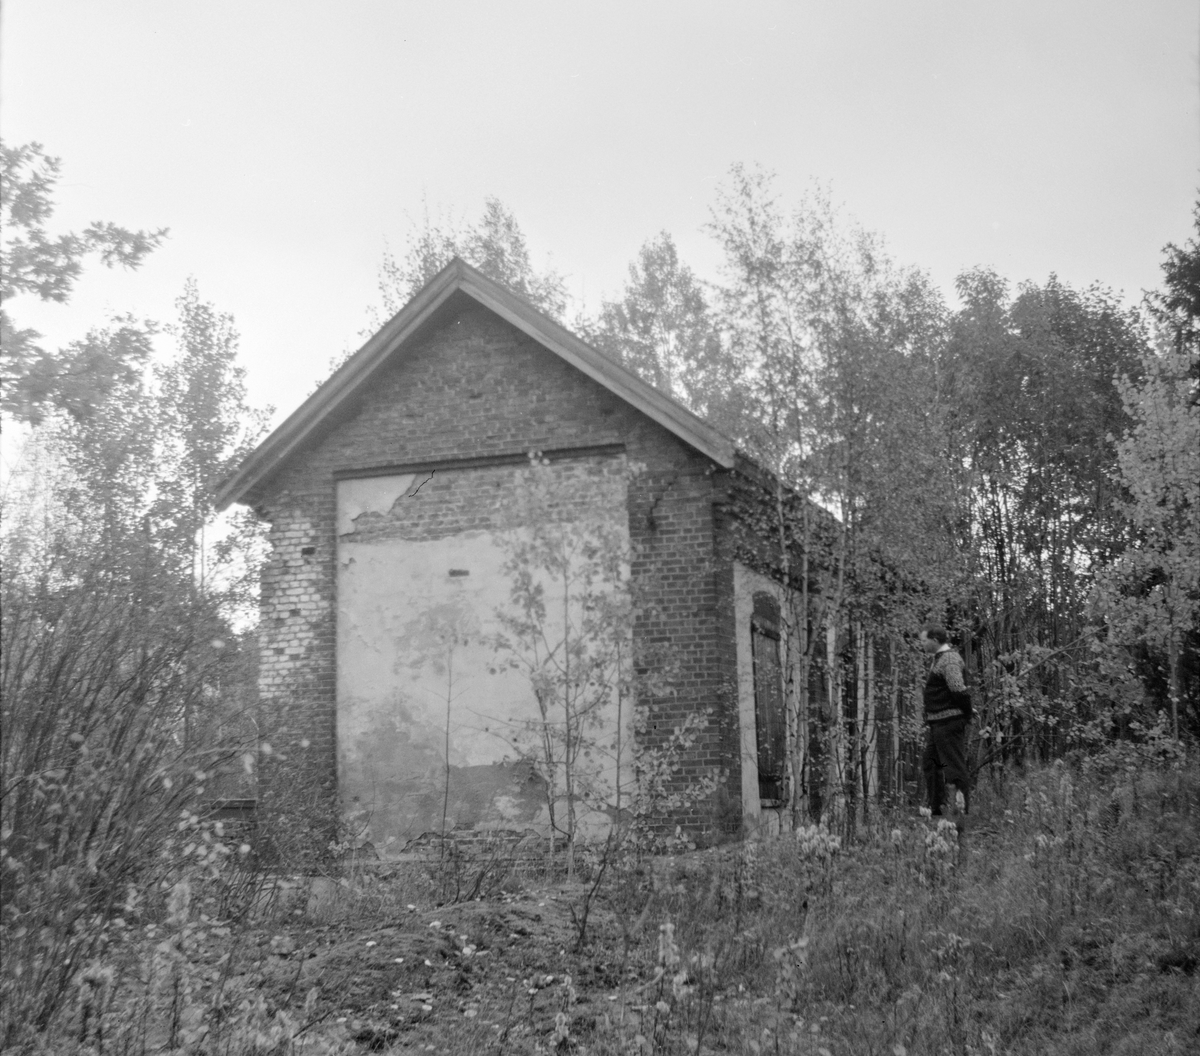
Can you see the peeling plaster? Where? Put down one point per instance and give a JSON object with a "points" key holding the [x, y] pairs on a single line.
{"points": [[416, 619], [370, 495]]}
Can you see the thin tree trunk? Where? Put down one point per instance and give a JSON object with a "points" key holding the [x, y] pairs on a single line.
{"points": [[787, 653], [897, 767], [551, 768], [858, 756], [620, 743], [803, 701], [800, 801], [1173, 669], [869, 735], [837, 731], [568, 761], [446, 776], [837, 703]]}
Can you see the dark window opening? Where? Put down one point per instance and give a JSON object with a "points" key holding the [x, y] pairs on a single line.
{"points": [[769, 719]]}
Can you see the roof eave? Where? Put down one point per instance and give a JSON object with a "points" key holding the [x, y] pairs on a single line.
{"points": [[339, 387], [628, 386], [266, 459]]}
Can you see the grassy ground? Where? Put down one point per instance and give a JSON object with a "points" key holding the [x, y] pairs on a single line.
{"points": [[1065, 920]]}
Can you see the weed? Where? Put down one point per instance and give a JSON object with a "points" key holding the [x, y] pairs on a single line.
{"points": [[1037, 930]]}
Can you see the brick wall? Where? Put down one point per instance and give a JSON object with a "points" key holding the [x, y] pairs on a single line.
{"points": [[476, 387]]}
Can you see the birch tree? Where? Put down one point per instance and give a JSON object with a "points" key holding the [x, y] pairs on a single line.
{"points": [[832, 345], [662, 328], [495, 244], [567, 629], [1033, 417], [1151, 594]]}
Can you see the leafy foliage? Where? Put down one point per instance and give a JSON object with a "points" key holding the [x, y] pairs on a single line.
{"points": [[987, 467], [1150, 593], [47, 266], [663, 330], [205, 430], [568, 630], [109, 740], [1177, 305], [495, 244], [834, 353], [126, 674]]}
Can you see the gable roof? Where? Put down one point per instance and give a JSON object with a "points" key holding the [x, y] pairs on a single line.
{"points": [[458, 277]]}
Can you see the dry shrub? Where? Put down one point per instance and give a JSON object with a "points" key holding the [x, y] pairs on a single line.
{"points": [[107, 694]]}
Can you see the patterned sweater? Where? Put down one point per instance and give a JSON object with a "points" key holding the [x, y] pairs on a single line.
{"points": [[946, 694]]}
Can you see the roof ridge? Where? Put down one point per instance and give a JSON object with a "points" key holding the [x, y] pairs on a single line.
{"points": [[457, 275]]}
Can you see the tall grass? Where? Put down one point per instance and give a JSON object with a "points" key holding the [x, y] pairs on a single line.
{"points": [[1066, 919]]}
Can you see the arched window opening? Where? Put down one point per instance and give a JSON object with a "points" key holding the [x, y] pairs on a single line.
{"points": [[769, 718]]}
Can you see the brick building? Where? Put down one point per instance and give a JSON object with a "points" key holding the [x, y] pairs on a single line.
{"points": [[394, 496]]}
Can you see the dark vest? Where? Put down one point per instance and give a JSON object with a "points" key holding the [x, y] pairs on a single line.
{"points": [[941, 702]]}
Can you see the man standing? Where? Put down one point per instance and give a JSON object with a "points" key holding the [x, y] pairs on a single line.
{"points": [[947, 713]]}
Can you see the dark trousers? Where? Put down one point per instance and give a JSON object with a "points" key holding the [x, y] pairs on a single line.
{"points": [[945, 761]]}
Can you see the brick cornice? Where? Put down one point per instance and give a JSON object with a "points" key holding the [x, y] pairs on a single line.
{"points": [[514, 458]]}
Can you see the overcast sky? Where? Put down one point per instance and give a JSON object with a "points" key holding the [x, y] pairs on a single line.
{"points": [[283, 141]]}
